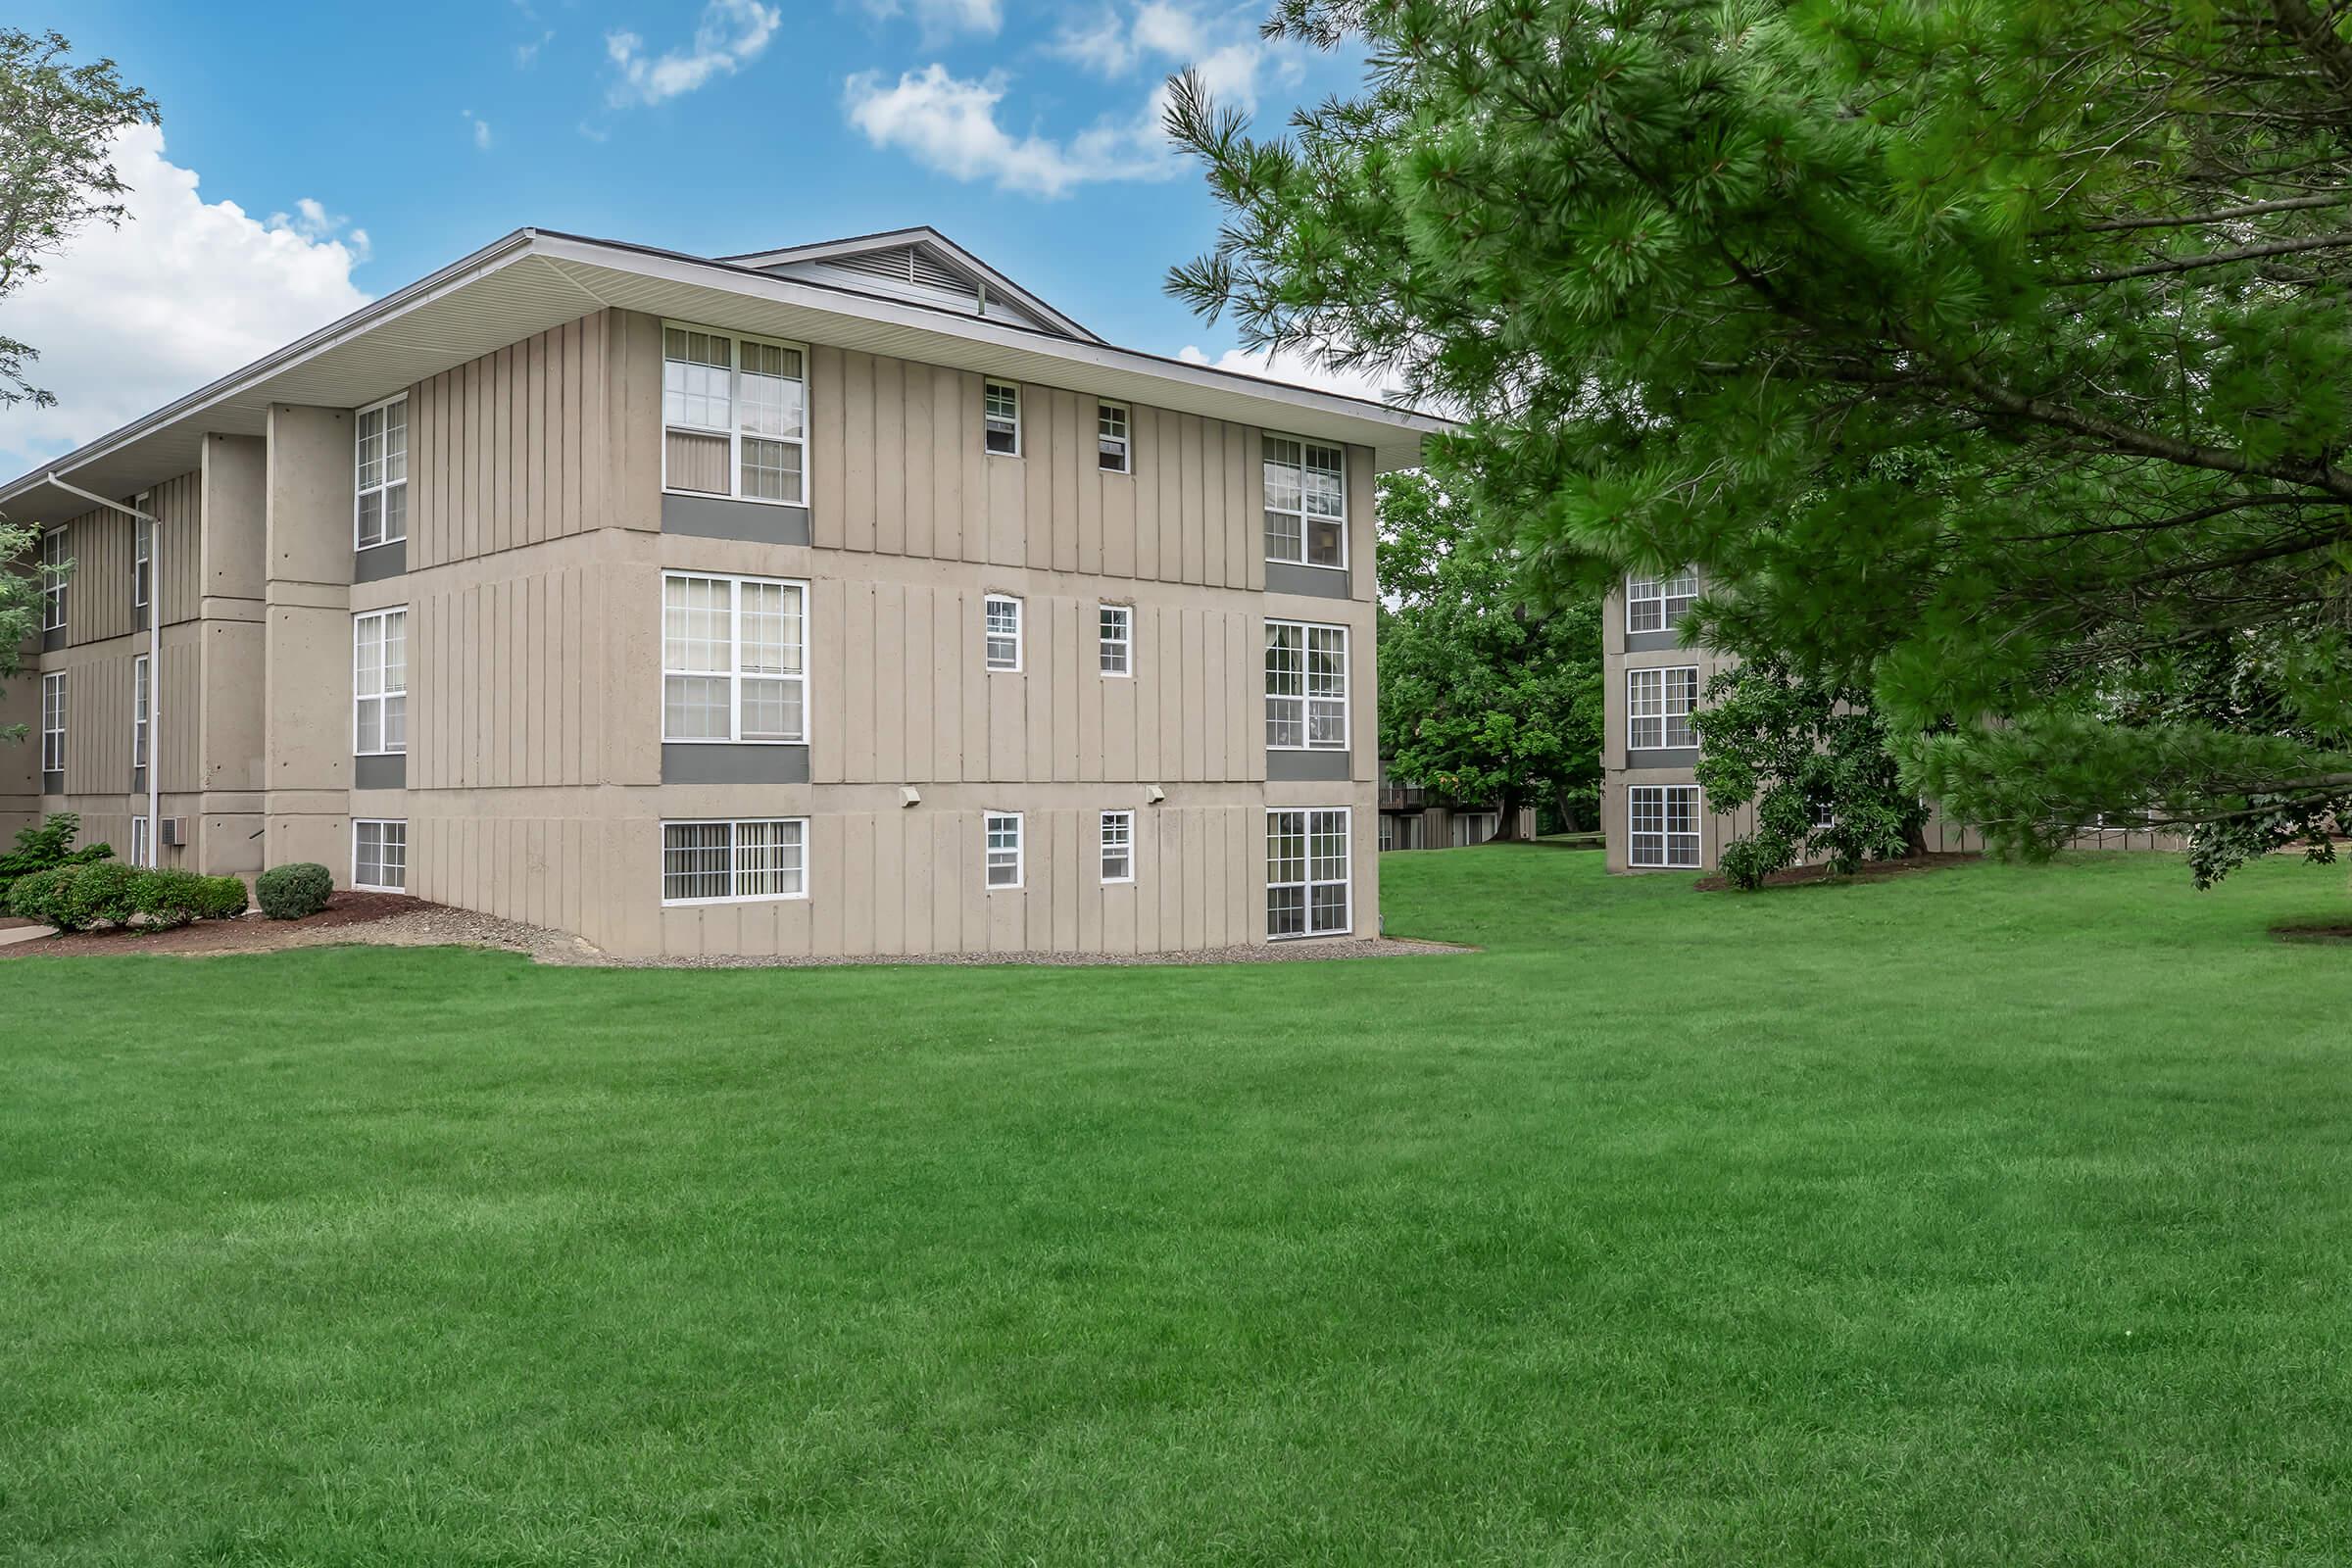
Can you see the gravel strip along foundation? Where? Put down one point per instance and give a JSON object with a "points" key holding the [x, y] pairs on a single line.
{"points": [[437, 925]]}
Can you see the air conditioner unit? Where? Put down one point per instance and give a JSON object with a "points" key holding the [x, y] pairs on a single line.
{"points": [[174, 834]]}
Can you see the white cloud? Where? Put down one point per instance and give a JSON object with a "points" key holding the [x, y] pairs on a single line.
{"points": [[951, 124], [943, 18], [732, 34], [185, 291], [1298, 369], [481, 128], [526, 55]]}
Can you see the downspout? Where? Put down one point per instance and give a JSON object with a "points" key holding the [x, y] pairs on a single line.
{"points": [[155, 662]]}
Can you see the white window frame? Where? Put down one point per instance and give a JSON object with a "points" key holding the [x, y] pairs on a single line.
{"points": [[384, 484], [1305, 516], [988, 657], [1311, 882], [734, 852], [1307, 698], [735, 432], [1124, 642], [53, 580], [989, 852], [383, 825], [1104, 408], [1666, 836], [1125, 845], [989, 388], [1671, 607], [53, 735], [382, 699], [142, 708], [141, 852], [142, 556], [1650, 716], [734, 674]]}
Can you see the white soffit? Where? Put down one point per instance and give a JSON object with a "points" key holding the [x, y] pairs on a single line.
{"points": [[531, 281]]}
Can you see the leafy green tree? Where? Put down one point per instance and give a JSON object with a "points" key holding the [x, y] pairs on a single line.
{"points": [[1813, 755], [56, 127], [1481, 696], [1695, 271]]}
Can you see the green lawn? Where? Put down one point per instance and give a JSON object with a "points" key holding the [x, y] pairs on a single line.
{"points": [[1994, 1216]]}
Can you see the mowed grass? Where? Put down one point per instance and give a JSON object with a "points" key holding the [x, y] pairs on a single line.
{"points": [[2000, 1215]]}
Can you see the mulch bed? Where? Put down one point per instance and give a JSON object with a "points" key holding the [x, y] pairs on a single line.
{"points": [[253, 934], [1870, 871]]}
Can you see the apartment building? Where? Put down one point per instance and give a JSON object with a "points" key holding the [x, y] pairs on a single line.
{"points": [[842, 599], [1654, 815]]}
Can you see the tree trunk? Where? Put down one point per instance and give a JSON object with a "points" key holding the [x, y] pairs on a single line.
{"points": [[1506, 827], [1915, 840]]}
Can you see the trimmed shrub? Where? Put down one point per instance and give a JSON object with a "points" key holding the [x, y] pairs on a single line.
{"points": [[222, 897], [1745, 863], [290, 892], [169, 897], [104, 890], [34, 894]]}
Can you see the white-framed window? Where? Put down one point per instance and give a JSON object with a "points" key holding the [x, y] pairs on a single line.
{"points": [[1664, 819], [1825, 816], [53, 722], [53, 580], [1658, 603], [1118, 846], [379, 682], [735, 862], [142, 557], [142, 697], [1306, 687], [142, 853], [1003, 831], [1001, 418], [1657, 708], [1002, 634], [1306, 872], [1117, 623], [379, 855], [1114, 448], [734, 658], [380, 440], [1307, 503], [734, 416]]}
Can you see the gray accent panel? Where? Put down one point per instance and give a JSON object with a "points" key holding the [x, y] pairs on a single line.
{"points": [[1669, 641], [1663, 757], [52, 639], [1284, 577], [378, 561], [717, 517], [1306, 767], [53, 783], [380, 773], [714, 762]]}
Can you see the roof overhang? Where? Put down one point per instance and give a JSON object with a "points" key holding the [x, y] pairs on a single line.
{"points": [[535, 279]]}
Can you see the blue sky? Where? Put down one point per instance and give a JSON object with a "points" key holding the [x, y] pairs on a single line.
{"points": [[311, 155]]}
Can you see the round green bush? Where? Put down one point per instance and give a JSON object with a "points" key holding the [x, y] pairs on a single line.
{"points": [[169, 897], [222, 897], [35, 896], [290, 892], [103, 892]]}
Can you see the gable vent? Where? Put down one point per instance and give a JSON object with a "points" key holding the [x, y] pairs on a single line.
{"points": [[903, 264]]}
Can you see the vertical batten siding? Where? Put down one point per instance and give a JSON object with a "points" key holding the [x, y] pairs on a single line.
{"points": [[534, 442], [913, 883], [179, 585], [896, 468], [98, 591], [901, 693]]}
